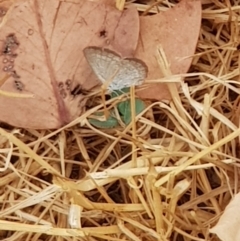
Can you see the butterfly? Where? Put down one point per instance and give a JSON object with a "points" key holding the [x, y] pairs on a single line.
{"points": [[113, 70]]}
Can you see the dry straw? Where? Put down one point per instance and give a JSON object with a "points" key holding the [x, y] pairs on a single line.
{"points": [[166, 176]]}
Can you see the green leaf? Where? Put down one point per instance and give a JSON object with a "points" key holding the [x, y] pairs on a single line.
{"points": [[123, 106], [124, 109], [111, 122]]}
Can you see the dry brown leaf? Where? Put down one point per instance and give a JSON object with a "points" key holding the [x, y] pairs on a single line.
{"points": [[41, 46], [177, 31], [227, 228]]}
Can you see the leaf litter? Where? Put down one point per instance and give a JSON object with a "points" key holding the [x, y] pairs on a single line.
{"points": [[167, 176]]}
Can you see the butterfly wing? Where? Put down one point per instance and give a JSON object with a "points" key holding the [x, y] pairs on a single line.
{"points": [[104, 63], [132, 71], [109, 66]]}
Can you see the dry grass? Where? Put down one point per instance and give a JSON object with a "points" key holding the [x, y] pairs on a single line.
{"points": [[169, 177]]}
